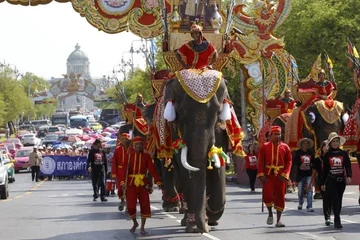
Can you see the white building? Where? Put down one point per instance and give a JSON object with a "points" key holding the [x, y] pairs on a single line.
{"points": [[78, 63]]}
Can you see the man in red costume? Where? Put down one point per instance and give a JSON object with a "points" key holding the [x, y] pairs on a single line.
{"points": [[287, 103], [197, 53], [120, 155], [323, 88], [274, 168], [138, 164]]}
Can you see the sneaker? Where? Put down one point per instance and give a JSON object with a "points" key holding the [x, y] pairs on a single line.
{"points": [[310, 210], [299, 206], [104, 200], [94, 199], [327, 222], [279, 224]]}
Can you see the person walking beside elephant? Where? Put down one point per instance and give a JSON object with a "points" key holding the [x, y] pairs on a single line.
{"points": [[304, 162], [275, 162], [337, 171], [251, 166], [134, 178], [317, 175], [120, 156]]}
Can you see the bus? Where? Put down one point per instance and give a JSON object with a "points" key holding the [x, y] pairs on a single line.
{"points": [[79, 121], [39, 123], [74, 113], [110, 116], [60, 118]]}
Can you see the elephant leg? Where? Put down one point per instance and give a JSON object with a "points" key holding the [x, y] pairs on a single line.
{"points": [[195, 215], [216, 186], [171, 198]]}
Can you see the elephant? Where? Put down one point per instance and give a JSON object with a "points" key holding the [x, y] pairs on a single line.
{"points": [[322, 123], [204, 190]]}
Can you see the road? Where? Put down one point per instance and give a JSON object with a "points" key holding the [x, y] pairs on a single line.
{"points": [[64, 210]]}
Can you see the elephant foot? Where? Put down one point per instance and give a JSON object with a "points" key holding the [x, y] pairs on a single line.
{"points": [[215, 223], [182, 210], [183, 222], [171, 209], [192, 228]]}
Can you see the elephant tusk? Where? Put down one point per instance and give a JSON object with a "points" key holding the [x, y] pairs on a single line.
{"points": [[225, 112], [217, 163], [169, 112], [184, 161], [345, 117]]}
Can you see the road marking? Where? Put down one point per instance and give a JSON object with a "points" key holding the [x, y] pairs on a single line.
{"points": [[26, 193], [179, 221], [311, 236]]}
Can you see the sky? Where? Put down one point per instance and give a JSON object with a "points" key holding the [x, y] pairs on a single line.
{"points": [[39, 40]]}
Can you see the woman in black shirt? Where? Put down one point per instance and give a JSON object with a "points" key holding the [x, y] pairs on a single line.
{"points": [[336, 172], [316, 177]]}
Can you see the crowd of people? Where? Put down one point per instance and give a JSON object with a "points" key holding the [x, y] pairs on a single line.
{"points": [[330, 171]]}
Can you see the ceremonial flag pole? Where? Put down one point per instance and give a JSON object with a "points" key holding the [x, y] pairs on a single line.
{"points": [[263, 124]]}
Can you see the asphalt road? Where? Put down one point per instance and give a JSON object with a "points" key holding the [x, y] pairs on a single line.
{"points": [[64, 210]]}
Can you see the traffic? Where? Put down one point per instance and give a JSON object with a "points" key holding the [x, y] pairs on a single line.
{"points": [[64, 134]]}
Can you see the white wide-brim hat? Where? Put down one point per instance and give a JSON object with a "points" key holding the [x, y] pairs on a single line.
{"points": [[335, 135]]}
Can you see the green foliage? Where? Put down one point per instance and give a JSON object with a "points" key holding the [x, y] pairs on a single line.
{"points": [[315, 25], [14, 96]]}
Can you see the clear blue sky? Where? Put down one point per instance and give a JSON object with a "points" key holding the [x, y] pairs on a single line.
{"points": [[39, 40]]}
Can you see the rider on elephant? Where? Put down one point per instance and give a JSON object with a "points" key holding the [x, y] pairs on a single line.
{"points": [[324, 89], [287, 103], [197, 53]]}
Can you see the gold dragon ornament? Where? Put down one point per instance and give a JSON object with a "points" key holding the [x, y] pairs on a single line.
{"points": [[268, 68]]}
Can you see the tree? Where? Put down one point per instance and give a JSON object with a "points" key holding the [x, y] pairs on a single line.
{"points": [[315, 25]]}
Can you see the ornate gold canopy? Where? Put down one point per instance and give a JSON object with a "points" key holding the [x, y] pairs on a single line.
{"points": [[141, 17]]}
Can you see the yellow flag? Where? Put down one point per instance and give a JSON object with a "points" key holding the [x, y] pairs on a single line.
{"points": [[331, 65], [355, 52]]}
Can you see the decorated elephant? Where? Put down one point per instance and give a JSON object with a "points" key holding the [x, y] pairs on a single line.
{"points": [[196, 105]]}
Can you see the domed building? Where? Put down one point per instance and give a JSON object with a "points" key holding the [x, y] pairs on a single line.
{"points": [[78, 63]]}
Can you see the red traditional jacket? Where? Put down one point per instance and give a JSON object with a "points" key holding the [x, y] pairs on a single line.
{"points": [[324, 88], [139, 164], [274, 159], [197, 60], [287, 105], [120, 155]]}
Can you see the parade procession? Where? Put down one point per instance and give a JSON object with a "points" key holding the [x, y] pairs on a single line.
{"points": [[240, 120]]}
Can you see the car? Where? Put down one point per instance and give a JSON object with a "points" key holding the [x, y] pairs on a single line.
{"points": [[27, 127], [30, 139], [4, 180], [5, 150], [11, 148], [55, 129], [10, 167], [50, 139], [104, 124], [96, 126], [16, 141], [22, 159]]}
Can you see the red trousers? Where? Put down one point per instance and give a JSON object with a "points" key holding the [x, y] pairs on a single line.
{"points": [[274, 192], [132, 195], [120, 190]]}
